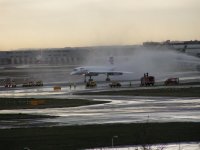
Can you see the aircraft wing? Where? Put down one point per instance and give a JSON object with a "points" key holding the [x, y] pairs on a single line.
{"points": [[95, 71], [106, 72]]}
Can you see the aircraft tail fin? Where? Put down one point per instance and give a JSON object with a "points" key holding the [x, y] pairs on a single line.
{"points": [[111, 60]]}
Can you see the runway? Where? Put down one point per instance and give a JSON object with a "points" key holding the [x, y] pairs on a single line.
{"points": [[121, 109]]}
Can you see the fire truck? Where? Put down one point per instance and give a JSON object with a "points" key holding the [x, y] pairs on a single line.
{"points": [[147, 80]]}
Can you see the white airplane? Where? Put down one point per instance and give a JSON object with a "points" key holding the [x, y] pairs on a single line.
{"points": [[89, 71]]}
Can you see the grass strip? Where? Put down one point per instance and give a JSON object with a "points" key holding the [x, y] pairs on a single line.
{"points": [[22, 116], [91, 136], [172, 92], [32, 103]]}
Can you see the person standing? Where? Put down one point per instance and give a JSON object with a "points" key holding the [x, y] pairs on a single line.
{"points": [[70, 86]]}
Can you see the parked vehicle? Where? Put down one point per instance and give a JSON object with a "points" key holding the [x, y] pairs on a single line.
{"points": [[115, 84], [31, 83], [9, 83], [91, 84], [39, 83], [172, 81]]}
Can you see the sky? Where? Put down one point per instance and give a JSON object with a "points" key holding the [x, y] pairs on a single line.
{"points": [[76, 23]]}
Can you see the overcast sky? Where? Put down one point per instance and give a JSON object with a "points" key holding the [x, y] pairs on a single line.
{"points": [[63, 23]]}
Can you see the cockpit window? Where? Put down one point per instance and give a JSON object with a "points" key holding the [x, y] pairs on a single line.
{"points": [[75, 69]]}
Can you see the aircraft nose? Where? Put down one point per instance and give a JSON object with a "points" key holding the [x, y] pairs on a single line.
{"points": [[72, 73]]}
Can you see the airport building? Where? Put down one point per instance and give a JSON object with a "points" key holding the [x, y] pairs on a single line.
{"points": [[77, 55], [58, 56], [42, 56], [189, 47]]}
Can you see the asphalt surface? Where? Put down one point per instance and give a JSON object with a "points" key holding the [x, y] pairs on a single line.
{"points": [[178, 146], [121, 109]]}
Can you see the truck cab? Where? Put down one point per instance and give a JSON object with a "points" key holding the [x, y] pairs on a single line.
{"points": [[147, 80], [91, 84]]}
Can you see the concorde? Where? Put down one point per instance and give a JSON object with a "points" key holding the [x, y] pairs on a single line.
{"points": [[89, 71]]}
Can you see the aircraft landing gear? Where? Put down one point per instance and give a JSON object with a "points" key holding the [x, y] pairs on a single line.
{"points": [[107, 79], [90, 79]]}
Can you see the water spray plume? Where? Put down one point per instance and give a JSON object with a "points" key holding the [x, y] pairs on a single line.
{"points": [[159, 62]]}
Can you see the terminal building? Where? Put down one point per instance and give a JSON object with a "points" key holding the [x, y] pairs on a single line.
{"points": [[189, 47], [77, 55], [58, 56], [42, 56]]}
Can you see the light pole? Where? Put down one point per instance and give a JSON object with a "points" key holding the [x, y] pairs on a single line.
{"points": [[113, 140]]}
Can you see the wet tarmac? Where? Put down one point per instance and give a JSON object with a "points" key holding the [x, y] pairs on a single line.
{"points": [[177, 146], [121, 109]]}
